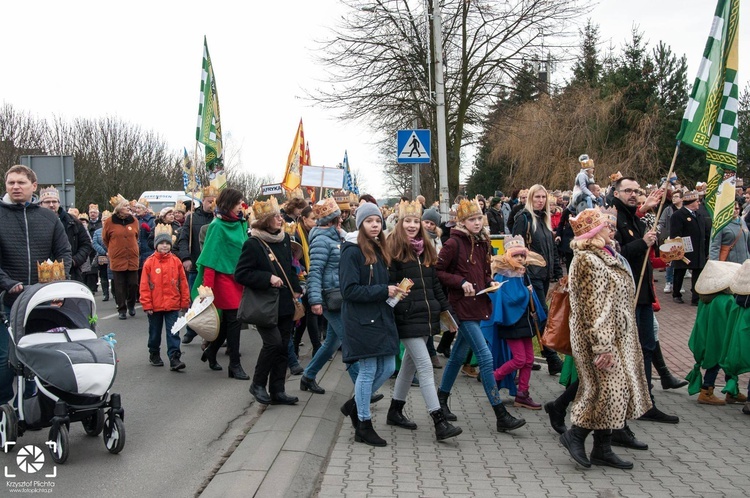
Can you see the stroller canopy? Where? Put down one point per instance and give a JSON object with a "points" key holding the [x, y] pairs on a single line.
{"points": [[41, 307]]}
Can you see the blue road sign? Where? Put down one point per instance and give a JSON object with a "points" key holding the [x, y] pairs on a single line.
{"points": [[413, 146]]}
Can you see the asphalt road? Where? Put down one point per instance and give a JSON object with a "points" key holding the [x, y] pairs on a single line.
{"points": [[179, 425]]}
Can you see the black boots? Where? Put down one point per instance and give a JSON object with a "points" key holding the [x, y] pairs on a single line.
{"points": [[506, 421], [573, 439], [443, 399], [235, 371], [306, 384], [210, 355], [175, 363], [602, 453], [444, 346], [366, 434], [668, 381], [554, 363], [260, 394], [624, 437], [350, 410], [443, 429], [556, 417], [396, 415], [656, 415]]}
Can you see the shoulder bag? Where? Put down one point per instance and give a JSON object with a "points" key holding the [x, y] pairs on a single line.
{"points": [[557, 332], [332, 299], [260, 307], [725, 250], [299, 308]]}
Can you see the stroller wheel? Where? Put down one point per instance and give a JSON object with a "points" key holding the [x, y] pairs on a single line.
{"points": [[94, 423], [60, 449], [114, 434], [8, 427]]}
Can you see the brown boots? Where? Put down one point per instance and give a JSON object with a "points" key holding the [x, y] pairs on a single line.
{"points": [[707, 397]]}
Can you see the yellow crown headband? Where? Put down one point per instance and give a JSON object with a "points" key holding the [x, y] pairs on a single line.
{"points": [[406, 208], [262, 209]]}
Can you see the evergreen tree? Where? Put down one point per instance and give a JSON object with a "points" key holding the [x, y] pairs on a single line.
{"points": [[743, 136], [588, 68], [526, 86]]}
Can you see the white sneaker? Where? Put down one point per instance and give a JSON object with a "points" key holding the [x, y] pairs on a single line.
{"points": [[688, 274], [668, 288]]}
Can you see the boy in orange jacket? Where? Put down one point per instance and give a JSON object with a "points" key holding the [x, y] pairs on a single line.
{"points": [[164, 292]]}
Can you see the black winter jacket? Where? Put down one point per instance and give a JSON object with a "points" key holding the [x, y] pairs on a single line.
{"points": [[542, 243], [496, 221], [418, 314], [80, 242], [254, 270], [30, 234], [630, 232], [369, 325], [188, 248]]}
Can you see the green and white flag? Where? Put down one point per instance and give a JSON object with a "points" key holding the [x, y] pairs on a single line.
{"points": [[208, 131], [710, 120]]}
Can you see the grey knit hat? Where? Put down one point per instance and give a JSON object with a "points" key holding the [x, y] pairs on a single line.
{"points": [[431, 215], [365, 210]]}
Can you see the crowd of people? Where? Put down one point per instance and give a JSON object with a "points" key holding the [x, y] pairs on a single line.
{"points": [[380, 282]]}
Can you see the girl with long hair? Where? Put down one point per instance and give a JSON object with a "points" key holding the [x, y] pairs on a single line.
{"points": [[370, 336], [413, 257]]}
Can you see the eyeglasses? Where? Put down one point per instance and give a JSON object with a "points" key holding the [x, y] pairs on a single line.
{"points": [[629, 191]]}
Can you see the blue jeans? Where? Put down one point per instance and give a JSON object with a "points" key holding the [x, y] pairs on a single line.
{"points": [[373, 372], [470, 336], [291, 357], [156, 321], [332, 343], [669, 274], [6, 374]]}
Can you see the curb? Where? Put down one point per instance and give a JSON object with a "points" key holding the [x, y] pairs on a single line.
{"points": [[287, 441]]}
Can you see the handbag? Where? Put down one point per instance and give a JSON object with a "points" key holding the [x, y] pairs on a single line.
{"points": [[259, 308], [557, 333], [724, 251], [299, 308], [332, 299]]}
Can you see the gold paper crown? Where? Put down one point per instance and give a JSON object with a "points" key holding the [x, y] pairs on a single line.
{"points": [[116, 200], [49, 271], [210, 191], [144, 201], [691, 196], [162, 229], [325, 208], [94, 207], [611, 215], [514, 244], [263, 209], [290, 228], [73, 212], [615, 176], [83, 216], [49, 193], [586, 221], [586, 161], [106, 214], [180, 206], [406, 208], [467, 209]]}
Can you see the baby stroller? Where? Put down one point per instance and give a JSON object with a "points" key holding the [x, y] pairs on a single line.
{"points": [[63, 370]]}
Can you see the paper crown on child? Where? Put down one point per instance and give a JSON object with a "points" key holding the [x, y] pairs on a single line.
{"points": [[326, 210], [466, 209], [50, 271], [210, 191], [94, 207], [514, 245], [144, 201], [290, 228], [116, 200], [265, 209], [406, 208], [586, 161], [162, 233], [588, 223], [49, 193], [615, 176], [180, 206]]}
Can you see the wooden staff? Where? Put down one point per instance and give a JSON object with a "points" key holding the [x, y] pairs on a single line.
{"points": [[658, 215]]}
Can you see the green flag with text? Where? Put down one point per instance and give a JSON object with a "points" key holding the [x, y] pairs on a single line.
{"points": [[208, 131]]}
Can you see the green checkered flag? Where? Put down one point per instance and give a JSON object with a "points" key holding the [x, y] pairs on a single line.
{"points": [[710, 120], [208, 131]]}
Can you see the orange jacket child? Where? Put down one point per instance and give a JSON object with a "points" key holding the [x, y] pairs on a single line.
{"points": [[164, 284]]}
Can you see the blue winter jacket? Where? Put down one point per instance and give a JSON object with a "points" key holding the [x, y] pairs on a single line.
{"points": [[325, 254]]}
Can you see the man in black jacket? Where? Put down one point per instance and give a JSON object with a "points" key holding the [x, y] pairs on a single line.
{"points": [[635, 242], [80, 241], [688, 223], [29, 235], [188, 247]]}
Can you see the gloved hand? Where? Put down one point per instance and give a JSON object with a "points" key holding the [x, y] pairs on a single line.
{"points": [[144, 226]]}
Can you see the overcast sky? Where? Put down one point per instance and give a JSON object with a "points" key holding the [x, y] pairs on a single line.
{"points": [[140, 61]]}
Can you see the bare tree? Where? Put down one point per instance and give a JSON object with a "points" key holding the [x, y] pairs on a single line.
{"points": [[381, 65], [20, 134]]}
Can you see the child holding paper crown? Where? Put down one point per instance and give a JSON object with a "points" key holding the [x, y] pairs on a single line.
{"points": [[164, 292]]}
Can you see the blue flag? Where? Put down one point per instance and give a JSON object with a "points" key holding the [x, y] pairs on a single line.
{"points": [[349, 183]]}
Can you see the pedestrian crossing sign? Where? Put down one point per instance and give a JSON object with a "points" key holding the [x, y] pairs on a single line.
{"points": [[413, 146]]}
